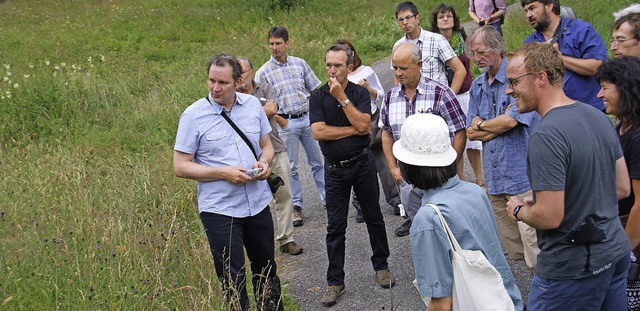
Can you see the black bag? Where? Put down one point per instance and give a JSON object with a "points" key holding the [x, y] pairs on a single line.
{"points": [[274, 180], [495, 7]]}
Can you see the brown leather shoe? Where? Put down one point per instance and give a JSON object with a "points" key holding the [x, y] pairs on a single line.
{"points": [[291, 248]]}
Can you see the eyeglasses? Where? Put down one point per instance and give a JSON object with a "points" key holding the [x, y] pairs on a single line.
{"points": [[514, 81], [472, 54], [618, 40], [406, 18]]}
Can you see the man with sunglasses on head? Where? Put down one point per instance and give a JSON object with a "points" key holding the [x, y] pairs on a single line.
{"points": [[436, 51], [581, 46], [504, 132]]}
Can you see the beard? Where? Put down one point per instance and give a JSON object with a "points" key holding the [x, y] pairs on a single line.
{"points": [[543, 23]]}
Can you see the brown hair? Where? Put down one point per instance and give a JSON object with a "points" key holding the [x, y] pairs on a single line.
{"points": [[356, 59]]}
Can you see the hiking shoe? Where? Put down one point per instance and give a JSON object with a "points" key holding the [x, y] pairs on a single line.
{"points": [[359, 217], [332, 295], [291, 248], [298, 218], [385, 279], [403, 229]]}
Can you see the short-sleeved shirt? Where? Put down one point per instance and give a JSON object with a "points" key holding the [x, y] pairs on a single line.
{"points": [[292, 80], [630, 143], [468, 213], [436, 51], [574, 149], [504, 158], [263, 90], [205, 134], [431, 97], [486, 8], [325, 108], [579, 40]]}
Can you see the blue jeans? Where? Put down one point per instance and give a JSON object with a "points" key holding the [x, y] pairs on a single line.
{"points": [[228, 238], [362, 177], [603, 291], [299, 131], [497, 26]]}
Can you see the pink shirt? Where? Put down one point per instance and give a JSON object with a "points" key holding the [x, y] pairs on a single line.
{"points": [[484, 8]]}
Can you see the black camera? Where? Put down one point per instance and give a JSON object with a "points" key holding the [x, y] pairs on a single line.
{"points": [[481, 23], [275, 182]]}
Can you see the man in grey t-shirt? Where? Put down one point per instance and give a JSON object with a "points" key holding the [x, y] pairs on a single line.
{"points": [[577, 175]]}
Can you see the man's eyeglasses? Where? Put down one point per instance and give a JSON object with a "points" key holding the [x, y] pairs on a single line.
{"points": [[514, 81], [472, 54], [405, 19], [618, 40]]}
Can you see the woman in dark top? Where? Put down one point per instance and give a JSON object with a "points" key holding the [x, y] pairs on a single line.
{"points": [[620, 90]]}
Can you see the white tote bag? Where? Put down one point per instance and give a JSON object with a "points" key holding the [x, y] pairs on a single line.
{"points": [[477, 285]]}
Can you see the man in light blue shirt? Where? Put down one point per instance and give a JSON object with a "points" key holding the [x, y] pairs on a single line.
{"points": [[232, 201], [493, 119]]}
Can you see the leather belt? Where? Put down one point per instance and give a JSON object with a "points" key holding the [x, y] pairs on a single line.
{"points": [[350, 161], [292, 116]]}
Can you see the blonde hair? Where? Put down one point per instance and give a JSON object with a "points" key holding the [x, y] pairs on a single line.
{"points": [[540, 56]]}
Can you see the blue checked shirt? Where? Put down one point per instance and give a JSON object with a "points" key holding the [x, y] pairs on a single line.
{"points": [[292, 80], [431, 97], [504, 158], [436, 51]]}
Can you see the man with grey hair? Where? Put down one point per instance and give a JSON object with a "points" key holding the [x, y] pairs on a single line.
{"points": [[281, 203], [209, 151], [415, 93], [340, 116], [504, 132]]}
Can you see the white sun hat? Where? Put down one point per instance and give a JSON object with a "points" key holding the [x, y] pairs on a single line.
{"points": [[424, 141]]}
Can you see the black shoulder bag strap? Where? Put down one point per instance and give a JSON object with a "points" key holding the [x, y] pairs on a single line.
{"points": [[559, 31], [235, 127], [495, 7]]}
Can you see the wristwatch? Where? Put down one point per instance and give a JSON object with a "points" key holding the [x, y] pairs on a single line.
{"points": [[516, 210], [344, 103]]}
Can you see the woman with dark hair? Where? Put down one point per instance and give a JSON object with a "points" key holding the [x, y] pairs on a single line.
{"points": [[445, 21], [620, 90], [366, 77], [427, 160]]}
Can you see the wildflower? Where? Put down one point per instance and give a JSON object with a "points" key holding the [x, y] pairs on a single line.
{"points": [[63, 64], [56, 67], [113, 254], [8, 95], [46, 239], [26, 76], [5, 79], [31, 66], [99, 246], [47, 62], [89, 59], [8, 73], [6, 66], [102, 57], [15, 86]]}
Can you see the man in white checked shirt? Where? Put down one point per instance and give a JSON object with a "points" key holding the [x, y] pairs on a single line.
{"points": [[436, 51], [293, 80]]}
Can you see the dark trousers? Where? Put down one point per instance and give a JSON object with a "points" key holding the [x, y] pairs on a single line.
{"points": [[361, 175], [228, 237], [389, 187]]}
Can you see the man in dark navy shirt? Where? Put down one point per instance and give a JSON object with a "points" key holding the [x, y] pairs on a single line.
{"points": [[340, 116]]}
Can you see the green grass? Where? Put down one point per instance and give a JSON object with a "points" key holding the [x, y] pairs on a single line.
{"points": [[91, 216]]}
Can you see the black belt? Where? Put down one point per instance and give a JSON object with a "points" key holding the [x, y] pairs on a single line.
{"points": [[292, 116], [350, 161]]}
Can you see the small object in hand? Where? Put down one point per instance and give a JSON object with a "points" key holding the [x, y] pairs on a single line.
{"points": [[481, 23], [253, 172]]}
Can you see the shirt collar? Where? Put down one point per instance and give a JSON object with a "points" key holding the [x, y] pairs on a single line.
{"points": [[500, 77], [452, 182], [279, 63], [217, 108]]}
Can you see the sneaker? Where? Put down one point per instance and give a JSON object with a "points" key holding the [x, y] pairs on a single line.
{"points": [[359, 217], [403, 229], [291, 248], [332, 295], [298, 218], [385, 279]]}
